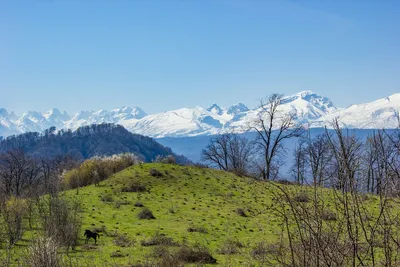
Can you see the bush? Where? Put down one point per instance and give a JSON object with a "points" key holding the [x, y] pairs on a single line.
{"points": [[107, 198], [229, 247], [60, 220], [241, 212], [259, 251], [43, 253], [302, 197], [197, 254], [166, 257], [166, 159], [139, 204], [198, 229], [328, 215], [155, 173], [117, 254], [123, 241], [159, 240], [13, 211], [134, 186], [146, 214]]}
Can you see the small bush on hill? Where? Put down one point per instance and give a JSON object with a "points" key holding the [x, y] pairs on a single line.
{"points": [[123, 241], [241, 212], [155, 173], [328, 215], [117, 254], [134, 186], [145, 213], [302, 197], [139, 204], [166, 159], [229, 247], [259, 251], [196, 254], [107, 198]]}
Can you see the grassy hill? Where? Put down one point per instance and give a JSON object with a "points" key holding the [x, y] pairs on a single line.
{"points": [[183, 200]]}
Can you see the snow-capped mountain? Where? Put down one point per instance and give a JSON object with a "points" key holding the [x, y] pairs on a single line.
{"points": [[382, 113], [308, 107]]}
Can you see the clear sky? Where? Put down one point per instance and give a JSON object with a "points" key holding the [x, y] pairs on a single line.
{"points": [[162, 55]]}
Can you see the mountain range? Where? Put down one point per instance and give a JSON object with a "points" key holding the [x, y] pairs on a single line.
{"points": [[308, 107]]}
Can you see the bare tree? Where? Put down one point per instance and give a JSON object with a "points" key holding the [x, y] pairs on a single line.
{"points": [[300, 162], [273, 128], [318, 156], [229, 152], [19, 174]]}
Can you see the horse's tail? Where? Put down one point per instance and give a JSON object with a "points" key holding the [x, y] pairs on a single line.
{"points": [[98, 236]]}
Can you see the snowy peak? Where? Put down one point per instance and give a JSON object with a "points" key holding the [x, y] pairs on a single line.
{"points": [[126, 113], [55, 114], [378, 114], [215, 109], [238, 108]]}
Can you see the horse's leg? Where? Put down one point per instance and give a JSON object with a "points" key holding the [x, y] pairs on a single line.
{"points": [[95, 240]]}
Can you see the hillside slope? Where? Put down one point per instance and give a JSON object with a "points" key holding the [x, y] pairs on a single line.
{"points": [[183, 198]]}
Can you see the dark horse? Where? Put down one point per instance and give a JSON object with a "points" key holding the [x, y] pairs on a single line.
{"points": [[89, 234]]}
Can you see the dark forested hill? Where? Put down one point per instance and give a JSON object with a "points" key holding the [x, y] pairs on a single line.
{"points": [[86, 142]]}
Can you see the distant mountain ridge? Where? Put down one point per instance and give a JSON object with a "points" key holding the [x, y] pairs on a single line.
{"points": [[308, 107]]}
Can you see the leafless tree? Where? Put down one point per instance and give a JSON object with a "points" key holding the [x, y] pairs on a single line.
{"points": [[300, 162], [229, 152], [347, 156], [19, 174], [273, 128]]}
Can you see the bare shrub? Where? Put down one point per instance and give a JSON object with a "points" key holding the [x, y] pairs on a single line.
{"points": [[123, 241], [328, 215], [155, 173], [198, 229], [302, 197], [259, 251], [166, 159], [60, 220], [107, 198], [117, 254], [195, 254], [139, 204], [134, 186], [230, 246], [159, 240], [241, 212], [165, 257], [145, 214], [43, 253]]}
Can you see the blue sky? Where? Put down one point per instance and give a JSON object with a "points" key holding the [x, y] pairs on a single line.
{"points": [[166, 54]]}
